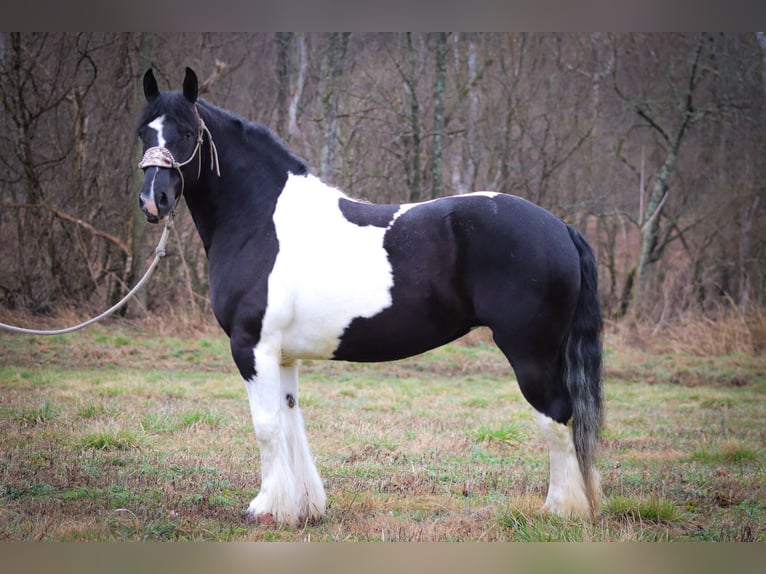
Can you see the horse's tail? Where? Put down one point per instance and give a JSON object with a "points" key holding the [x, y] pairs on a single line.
{"points": [[582, 369]]}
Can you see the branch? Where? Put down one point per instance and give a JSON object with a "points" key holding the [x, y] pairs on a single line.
{"points": [[670, 237], [656, 211], [66, 217], [651, 122], [689, 112], [206, 84]]}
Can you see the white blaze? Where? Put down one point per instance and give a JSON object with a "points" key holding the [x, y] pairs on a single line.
{"points": [[156, 124]]}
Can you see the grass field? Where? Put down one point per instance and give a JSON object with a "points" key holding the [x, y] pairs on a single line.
{"points": [[126, 434]]}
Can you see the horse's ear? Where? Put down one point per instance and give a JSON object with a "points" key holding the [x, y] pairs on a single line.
{"points": [[151, 90], [190, 85]]}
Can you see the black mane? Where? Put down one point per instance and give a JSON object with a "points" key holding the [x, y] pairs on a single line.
{"points": [[253, 135]]}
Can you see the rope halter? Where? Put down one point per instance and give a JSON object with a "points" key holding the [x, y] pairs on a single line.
{"points": [[159, 156]]}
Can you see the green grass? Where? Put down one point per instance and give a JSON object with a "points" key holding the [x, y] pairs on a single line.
{"points": [[539, 527], [36, 415], [507, 433], [111, 439], [650, 509], [195, 418], [728, 453], [125, 435]]}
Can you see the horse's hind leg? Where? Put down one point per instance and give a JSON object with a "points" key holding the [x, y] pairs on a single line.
{"points": [[566, 489], [541, 380]]}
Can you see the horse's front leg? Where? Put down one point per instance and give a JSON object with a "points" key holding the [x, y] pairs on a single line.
{"points": [[291, 490], [310, 491]]}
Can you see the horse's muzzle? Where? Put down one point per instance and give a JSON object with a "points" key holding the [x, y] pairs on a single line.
{"points": [[157, 198]]}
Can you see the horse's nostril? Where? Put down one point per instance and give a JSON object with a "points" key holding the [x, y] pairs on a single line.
{"points": [[163, 202]]}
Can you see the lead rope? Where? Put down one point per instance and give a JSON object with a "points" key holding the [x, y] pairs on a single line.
{"points": [[159, 157], [159, 253]]}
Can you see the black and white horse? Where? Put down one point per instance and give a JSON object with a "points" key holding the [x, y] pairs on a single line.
{"points": [[300, 270]]}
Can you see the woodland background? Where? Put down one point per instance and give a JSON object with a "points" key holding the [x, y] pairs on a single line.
{"points": [[652, 144]]}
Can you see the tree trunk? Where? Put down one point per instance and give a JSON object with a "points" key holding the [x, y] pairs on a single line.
{"points": [[137, 225], [746, 224], [411, 88], [332, 69], [650, 215], [650, 219], [283, 41], [437, 185], [297, 89]]}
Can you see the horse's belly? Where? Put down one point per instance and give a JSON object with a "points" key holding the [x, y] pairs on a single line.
{"points": [[388, 335], [315, 331], [364, 345]]}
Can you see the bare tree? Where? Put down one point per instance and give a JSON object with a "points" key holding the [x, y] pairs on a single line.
{"points": [[137, 221], [283, 41], [401, 117], [440, 72], [413, 140], [297, 86], [671, 131], [332, 69], [37, 92]]}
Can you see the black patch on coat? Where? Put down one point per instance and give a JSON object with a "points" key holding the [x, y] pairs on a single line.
{"points": [[364, 214]]}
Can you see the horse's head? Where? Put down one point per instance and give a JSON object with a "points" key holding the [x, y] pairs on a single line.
{"points": [[171, 132]]}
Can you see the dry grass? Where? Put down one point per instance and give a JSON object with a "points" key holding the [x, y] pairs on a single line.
{"points": [[725, 332], [131, 434]]}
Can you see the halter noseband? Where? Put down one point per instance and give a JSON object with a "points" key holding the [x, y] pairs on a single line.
{"points": [[159, 156]]}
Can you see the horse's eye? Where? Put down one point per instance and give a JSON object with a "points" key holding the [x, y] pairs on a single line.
{"points": [[189, 134]]}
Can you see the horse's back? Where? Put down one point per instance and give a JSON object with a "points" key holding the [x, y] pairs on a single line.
{"points": [[489, 239]]}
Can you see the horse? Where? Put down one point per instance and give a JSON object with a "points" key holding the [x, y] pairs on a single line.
{"points": [[300, 270]]}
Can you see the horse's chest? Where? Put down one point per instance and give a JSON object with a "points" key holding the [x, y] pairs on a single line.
{"points": [[327, 272]]}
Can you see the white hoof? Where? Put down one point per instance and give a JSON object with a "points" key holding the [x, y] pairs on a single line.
{"points": [[569, 506], [262, 510], [265, 512]]}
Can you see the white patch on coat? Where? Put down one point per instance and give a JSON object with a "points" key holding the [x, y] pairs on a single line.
{"points": [[328, 271], [566, 490], [405, 207]]}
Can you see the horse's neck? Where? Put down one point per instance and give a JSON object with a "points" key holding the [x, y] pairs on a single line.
{"points": [[222, 206], [245, 193]]}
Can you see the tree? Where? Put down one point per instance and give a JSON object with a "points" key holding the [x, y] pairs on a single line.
{"points": [[332, 69], [669, 117], [41, 93], [580, 123], [440, 69]]}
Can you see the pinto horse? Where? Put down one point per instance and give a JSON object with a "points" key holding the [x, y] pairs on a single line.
{"points": [[299, 270]]}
